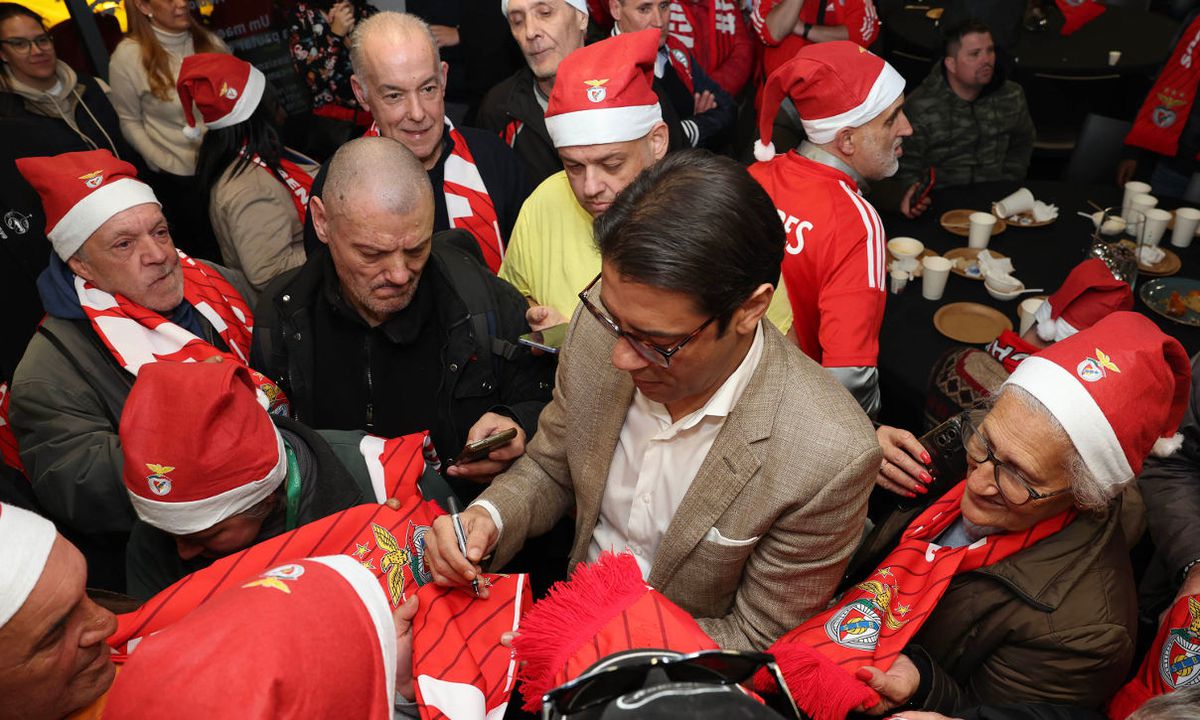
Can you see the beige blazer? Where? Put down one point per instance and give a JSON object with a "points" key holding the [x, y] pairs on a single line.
{"points": [[760, 540]]}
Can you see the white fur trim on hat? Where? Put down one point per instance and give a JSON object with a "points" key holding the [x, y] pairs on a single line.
{"points": [[887, 87], [25, 543], [1076, 410], [1049, 329], [367, 587], [245, 105], [603, 125], [185, 518], [580, 5], [95, 209]]}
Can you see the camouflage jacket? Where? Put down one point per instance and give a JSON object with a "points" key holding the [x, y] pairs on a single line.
{"points": [[966, 142]]}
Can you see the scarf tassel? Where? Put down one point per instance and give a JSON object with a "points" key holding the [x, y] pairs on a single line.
{"points": [[820, 688]]}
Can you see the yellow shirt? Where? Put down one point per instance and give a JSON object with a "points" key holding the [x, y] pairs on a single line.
{"points": [[552, 254]]}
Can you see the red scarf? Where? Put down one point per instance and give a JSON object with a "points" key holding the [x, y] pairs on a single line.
{"points": [[460, 670], [1160, 121], [1173, 661], [136, 335], [681, 61], [877, 618], [390, 543], [1078, 13], [720, 30], [298, 182], [468, 204], [1010, 349]]}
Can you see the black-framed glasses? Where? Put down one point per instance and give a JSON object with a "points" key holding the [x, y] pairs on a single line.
{"points": [[1013, 486], [23, 45], [651, 352], [712, 667]]}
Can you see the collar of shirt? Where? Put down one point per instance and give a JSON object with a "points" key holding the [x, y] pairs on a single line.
{"points": [[824, 157], [718, 406]]}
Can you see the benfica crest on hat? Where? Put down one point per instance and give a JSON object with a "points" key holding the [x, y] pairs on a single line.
{"points": [[93, 179], [596, 91], [1093, 369], [159, 483]]}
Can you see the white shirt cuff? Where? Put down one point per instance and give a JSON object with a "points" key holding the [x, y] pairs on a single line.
{"points": [[491, 509]]}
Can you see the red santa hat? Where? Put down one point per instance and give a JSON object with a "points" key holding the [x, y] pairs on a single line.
{"points": [[81, 191], [198, 445], [223, 88], [1119, 389], [833, 85], [25, 543], [604, 93], [604, 608], [312, 638], [580, 5], [1089, 294]]}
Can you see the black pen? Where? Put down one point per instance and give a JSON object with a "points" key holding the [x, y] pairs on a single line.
{"points": [[462, 537]]}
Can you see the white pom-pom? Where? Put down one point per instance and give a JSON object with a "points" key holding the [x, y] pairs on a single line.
{"points": [[191, 132], [1045, 329], [764, 153], [1166, 446]]}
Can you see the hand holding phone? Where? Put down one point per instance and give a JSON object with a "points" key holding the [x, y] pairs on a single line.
{"points": [[548, 340], [479, 449]]}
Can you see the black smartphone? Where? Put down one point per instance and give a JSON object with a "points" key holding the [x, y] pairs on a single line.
{"points": [[480, 448], [548, 340]]}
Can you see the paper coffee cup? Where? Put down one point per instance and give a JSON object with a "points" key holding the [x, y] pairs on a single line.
{"points": [[1019, 202], [933, 281], [1114, 57], [1186, 222], [1028, 313], [899, 280], [981, 229], [1133, 187], [1155, 225]]}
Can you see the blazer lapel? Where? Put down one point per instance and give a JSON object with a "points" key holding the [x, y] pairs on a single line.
{"points": [[728, 467]]}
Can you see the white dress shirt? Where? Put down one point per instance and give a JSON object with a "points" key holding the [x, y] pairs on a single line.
{"points": [[654, 464]]}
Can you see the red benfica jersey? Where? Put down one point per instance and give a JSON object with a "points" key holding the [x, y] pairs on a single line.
{"points": [[835, 261], [858, 16]]}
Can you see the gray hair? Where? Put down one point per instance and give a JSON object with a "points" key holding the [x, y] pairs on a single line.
{"points": [[379, 169], [397, 27], [1183, 704], [1088, 492]]}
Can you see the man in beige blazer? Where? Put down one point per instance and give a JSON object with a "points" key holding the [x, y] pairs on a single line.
{"points": [[684, 428]]}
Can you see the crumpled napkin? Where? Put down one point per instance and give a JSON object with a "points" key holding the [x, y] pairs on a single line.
{"points": [[913, 272], [998, 272], [1150, 255], [1043, 212]]}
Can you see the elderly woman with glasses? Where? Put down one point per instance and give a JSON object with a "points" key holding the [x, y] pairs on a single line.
{"points": [[1015, 584]]}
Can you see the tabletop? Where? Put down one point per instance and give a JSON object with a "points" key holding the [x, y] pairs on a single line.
{"points": [[1143, 39], [909, 345]]}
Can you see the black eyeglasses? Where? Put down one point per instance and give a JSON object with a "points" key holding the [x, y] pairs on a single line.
{"points": [[1013, 486], [651, 352], [23, 45], [713, 667]]}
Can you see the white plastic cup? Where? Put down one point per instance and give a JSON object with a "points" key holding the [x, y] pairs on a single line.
{"points": [[1186, 222], [1133, 187], [981, 229], [1141, 203], [1019, 202], [1155, 225], [933, 281], [1114, 57], [899, 280], [1027, 311]]}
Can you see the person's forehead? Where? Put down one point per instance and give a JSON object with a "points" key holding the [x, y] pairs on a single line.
{"points": [[400, 57], [59, 587], [527, 5], [20, 26], [599, 153], [976, 40], [1026, 437], [137, 219]]}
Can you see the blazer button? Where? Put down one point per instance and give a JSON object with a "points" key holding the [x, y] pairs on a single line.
{"points": [[487, 386], [286, 298]]}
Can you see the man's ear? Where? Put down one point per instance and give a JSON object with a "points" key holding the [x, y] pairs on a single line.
{"points": [[949, 63], [581, 22], [752, 309], [360, 90], [320, 218], [844, 141], [78, 265], [614, 9], [660, 139]]}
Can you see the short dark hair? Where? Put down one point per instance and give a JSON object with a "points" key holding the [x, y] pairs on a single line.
{"points": [[954, 34], [11, 10], [698, 224]]}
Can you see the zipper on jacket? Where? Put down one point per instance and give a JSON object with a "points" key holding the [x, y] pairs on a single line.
{"points": [[370, 389]]}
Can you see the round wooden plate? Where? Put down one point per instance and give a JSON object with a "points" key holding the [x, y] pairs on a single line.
{"points": [[970, 323], [958, 222], [1169, 265], [969, 254]]}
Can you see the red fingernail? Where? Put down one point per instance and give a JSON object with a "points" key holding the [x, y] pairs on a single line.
{"points": [[925, 477], [911, 495], [925, 458], [863, 674], [922, 489]]}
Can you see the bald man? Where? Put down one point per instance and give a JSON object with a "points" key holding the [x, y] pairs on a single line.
{"points": [[391, 329]]}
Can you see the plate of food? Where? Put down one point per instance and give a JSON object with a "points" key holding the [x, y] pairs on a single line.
{"points": [[966, 263], [958, 222], [1174, 298]]}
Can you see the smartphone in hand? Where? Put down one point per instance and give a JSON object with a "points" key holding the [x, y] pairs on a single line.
{"points": [[480, 448], [548, 340]]}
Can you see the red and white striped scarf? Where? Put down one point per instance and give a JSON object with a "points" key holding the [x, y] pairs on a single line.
{"points": [[1164, 113], [468, 204], [298, 182], [136, 335]]}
